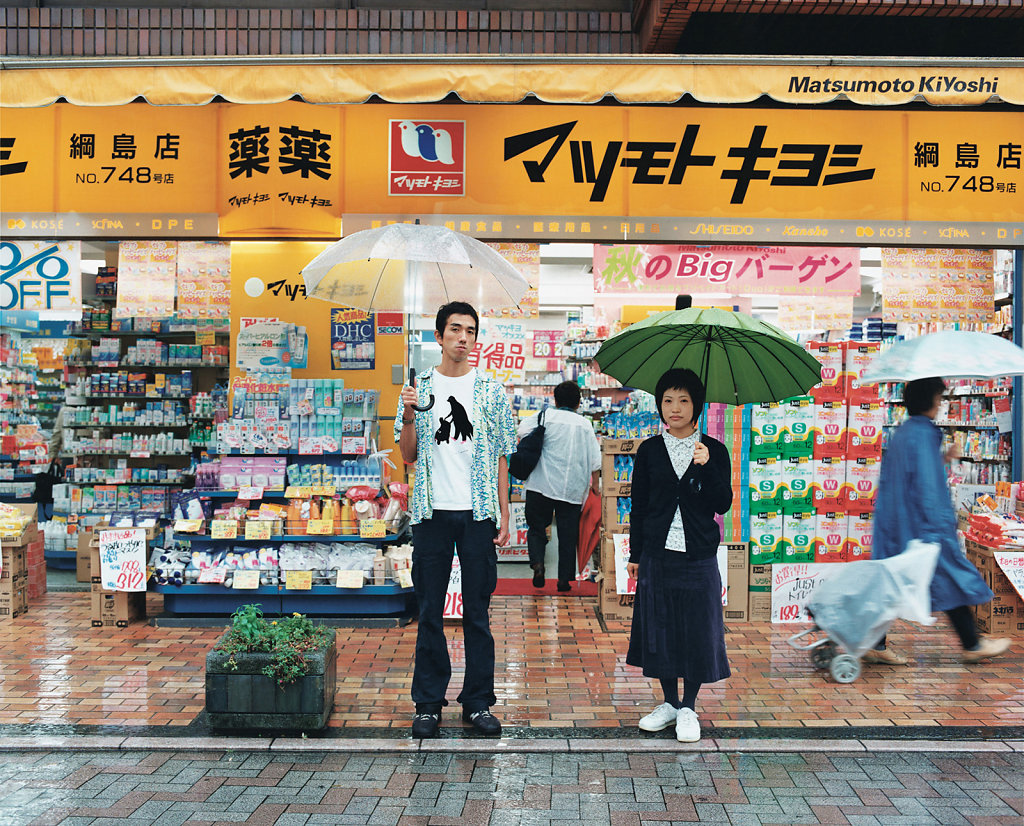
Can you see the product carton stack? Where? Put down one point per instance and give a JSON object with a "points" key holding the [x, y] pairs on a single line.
{"points": [[617, 456], [995, 545], [17, 532], [114, 609]]}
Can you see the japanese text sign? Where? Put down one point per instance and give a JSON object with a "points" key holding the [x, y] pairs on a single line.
{"points": [[687, 269], [501, 353], [624, 583], [453, 596], [258, 529], [123, 559], [1013, 566], [204, 279], [245, 580], [41, 276], [526, 258], [298, 580], [792, 586], [146, 279], [921, 285], [353, 340]]}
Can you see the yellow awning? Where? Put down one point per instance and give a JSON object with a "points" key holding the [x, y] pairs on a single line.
{"points": [[33, 82]]}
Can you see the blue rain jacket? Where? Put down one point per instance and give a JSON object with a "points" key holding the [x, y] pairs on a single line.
{"points": [[914, 503]]}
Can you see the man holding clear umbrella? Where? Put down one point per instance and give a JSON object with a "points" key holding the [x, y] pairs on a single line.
{"points": [[457, 427]]}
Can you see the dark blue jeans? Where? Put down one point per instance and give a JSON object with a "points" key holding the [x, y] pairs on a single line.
{"points": [[567, 518], [435, 541]]}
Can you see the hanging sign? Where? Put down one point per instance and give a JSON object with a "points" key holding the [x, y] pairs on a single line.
{"points": [[945, 285], [123, 559], [204, 280], [624, 584], [526, 258], [689, 269], [816, 313], [146, 279], [38, 276], [1013, 566], [501, 354], [353, 342], [547, 344]]}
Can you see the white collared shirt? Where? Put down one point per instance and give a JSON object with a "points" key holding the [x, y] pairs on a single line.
{"points": [[571, 453]]}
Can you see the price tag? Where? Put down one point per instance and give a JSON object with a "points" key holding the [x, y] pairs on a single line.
{"points": [[350, 579], [323, 490], [223, 529], [297, 492], [404, 577], [353, 445], [188, 526], [372, 529], [205, 338], [257, 530], [320, 527], [139, 454], [250, 492], [211, 576], [246, 580], [298, 580]]}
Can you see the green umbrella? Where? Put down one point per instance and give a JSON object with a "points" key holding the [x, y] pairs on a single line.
{"points": [[739, 359]]}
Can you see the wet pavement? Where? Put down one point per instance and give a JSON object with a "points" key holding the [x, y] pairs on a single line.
{"points": [[943, 787]]}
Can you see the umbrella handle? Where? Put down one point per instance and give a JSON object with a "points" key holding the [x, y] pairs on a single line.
{"points": [[412, 383]]}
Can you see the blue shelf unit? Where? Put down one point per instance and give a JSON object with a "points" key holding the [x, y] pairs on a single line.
{"points": [[320, 600]]}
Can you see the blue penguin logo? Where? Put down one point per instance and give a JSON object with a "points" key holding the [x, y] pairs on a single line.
{"points": [[425, 142]]}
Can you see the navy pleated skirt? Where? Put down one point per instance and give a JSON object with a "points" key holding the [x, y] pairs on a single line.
{"points": [[678, 629]]}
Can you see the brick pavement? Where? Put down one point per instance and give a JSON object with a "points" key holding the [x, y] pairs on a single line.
{"points": [[215, 788], [559, 670]]}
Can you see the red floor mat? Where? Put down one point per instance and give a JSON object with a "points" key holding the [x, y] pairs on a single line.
{"points": [[524, 588]]}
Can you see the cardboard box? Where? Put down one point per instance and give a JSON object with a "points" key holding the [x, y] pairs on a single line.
{"points": [[611, 515], [827, 486], [614, 490], [764, 484], [830, 537], [117, 609], [865, 424], [798, 427], [612, 605], [630, 446], [830, 354], [766, 424], [617, 468], [13, 597], [83, 558], [15, 562], [859, 491], [830, 429], [765, 538], [797, 484], [798, 530], [860, 529], [737, 584]]}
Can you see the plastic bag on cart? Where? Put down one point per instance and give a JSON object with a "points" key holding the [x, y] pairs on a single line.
{"points": [[856, 603]]}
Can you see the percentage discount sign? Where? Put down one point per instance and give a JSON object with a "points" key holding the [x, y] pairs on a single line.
{"points": [[42, 278]]}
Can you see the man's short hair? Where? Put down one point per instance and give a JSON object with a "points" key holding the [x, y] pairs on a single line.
{"points": [[567, 394], [919, 395], [681, 378], [446, 311]]}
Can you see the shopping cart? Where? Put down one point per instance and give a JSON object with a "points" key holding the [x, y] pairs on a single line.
{"points": [[856, 603]]}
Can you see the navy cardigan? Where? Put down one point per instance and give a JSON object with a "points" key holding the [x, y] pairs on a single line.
{"points": [[704, 490]]}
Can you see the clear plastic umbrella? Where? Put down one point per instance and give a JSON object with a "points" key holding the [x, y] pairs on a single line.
{"points": [[413, 268], [952, 353]]}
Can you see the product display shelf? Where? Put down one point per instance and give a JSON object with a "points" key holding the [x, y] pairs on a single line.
{"points": [[124, 426], [206, 539], [390, 600]]}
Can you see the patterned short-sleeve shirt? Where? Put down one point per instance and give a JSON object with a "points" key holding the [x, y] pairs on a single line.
{"points": [[494, 436]]}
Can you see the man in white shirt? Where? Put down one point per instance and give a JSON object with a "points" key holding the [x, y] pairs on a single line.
{"points": [[569, 464]]}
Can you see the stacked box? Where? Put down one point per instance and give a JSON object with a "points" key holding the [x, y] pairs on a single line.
{"points": [[759, 604], [798, 427], [766, 538], [798, 532], [112, 609], [1005, 613], [865, 425], [832, 387], [766, 424], [765, 484], [797, 484], [859, 533], [35, 563], [738, 582], [830, 536], [617, 457], [13, 579], [830, 429], [736, 438], [860, 486], [827, 485], [857, 356], [612, 604]]}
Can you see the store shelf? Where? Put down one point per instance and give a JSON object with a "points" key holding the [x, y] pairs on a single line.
{"points": [[967, 425], [177, 334], [233, 494], [160, 484], [191, 537], [116, 365], [370, 600], [984, 459], [142, 397], [122, 426]]}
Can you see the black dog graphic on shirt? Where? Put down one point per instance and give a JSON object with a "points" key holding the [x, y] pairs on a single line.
{"points": [[456, 419]]}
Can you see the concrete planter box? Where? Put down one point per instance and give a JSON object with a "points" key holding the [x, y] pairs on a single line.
{"points": [[245, 698]]}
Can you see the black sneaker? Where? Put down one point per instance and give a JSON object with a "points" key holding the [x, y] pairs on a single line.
{"points": [[538, 576], [426, 725], [483, 721]]}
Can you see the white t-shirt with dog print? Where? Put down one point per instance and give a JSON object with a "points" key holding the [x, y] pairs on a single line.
{"points": [[453, 429]]}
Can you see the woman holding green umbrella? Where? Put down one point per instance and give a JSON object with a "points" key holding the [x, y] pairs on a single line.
{"points": [[681, 480]]}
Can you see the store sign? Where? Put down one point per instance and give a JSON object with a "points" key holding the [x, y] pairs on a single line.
{"points": [[353, 343], [650, 268], [146, 279], [426, 157], [123, 559], [945, 285], [547, 344], [204, 279], [816, 313], [501, 353], [526, 258], [36, 276]]}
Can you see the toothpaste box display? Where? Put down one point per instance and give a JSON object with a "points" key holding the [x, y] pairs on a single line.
{"points": [[865, 426], [860, 488], [765, 484], [797, 427], [859, 532], [830, 537], [798, 532], [797, 484], [766, 423], [830, 354], [858, 355], [765, 538], [830, 429], [827, 485]]}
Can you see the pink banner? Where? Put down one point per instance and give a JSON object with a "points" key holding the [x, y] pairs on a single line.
{"points": [[627, 268]]}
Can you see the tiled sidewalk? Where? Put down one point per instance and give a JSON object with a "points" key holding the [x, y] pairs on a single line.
{"points": [[299, 789], [559, 671]]}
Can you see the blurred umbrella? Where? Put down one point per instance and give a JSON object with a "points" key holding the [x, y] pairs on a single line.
{"points": [[952, 353], [413, 268], [739, 359]]}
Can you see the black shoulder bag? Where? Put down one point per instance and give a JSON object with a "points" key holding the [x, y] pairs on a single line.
{"points": [[524, 460]]}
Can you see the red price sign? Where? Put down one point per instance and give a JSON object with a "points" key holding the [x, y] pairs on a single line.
{"points": [[547, 343], [131, 576]]}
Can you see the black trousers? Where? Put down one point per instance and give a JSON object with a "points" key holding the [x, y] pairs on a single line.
{"points": [[435, 541], [539, 510]]}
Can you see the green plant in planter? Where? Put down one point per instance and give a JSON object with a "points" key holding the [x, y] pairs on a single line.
{"points": [[288, 641]]}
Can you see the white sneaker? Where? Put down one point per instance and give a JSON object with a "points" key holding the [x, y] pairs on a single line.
{"points": [[687, 726], [661, 718]]}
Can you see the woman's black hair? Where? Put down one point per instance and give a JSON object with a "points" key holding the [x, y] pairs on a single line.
{"points": [[919, 395], [680, 378]]}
